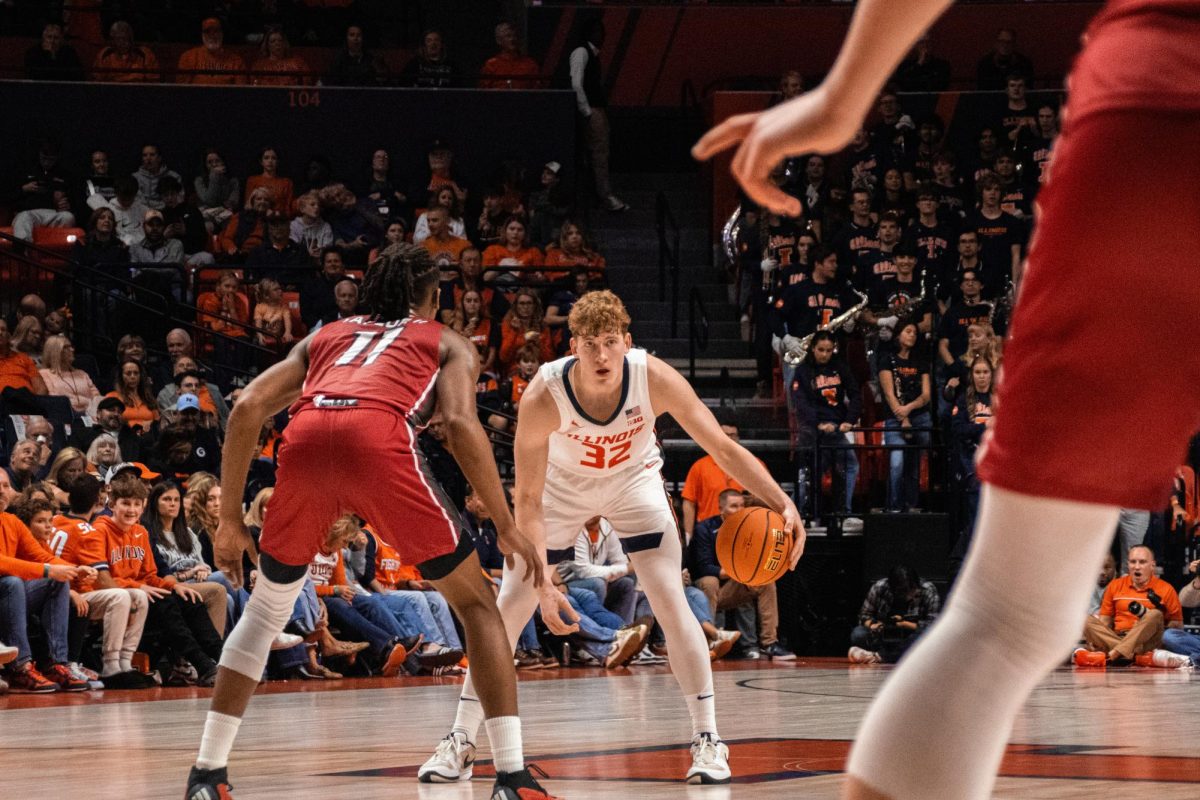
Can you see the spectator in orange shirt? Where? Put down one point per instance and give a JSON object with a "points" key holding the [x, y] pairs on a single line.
{"points": [[178, 620], [133, 389], [229, 303], [443, 246], [281, 188], [514, 250], [471, 319], [33, 580], [211, 64], [17, 369], [703, 486], [510, 68], [524, 324], [572, 251], [1135, 611], [123, 61], [277, 66], [247, 228]]}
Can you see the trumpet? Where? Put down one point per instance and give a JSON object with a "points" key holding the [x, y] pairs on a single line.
{"points": [[794, 357]]}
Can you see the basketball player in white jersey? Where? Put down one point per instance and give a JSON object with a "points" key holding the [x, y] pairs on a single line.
{"points": [[585, 446]]}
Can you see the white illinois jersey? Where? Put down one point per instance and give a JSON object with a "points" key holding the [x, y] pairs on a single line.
{"points": [[594, 448]]}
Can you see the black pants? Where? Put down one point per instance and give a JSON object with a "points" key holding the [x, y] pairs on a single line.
{"points": [[184, 628]]}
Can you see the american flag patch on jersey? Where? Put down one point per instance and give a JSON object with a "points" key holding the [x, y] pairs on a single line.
{"points": [[636, 411]]}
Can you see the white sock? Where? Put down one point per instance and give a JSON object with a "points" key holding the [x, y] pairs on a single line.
{"points": [[469, 717], [270, 607], [1019, 605], [703, 708], [111, 667], [126, 664], [219, 733], [505, 735]]}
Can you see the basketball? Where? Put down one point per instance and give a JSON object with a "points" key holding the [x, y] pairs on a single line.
{"points": [[752, 546]]}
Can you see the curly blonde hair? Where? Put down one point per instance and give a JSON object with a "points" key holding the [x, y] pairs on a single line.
{"points": [[596, 313]]}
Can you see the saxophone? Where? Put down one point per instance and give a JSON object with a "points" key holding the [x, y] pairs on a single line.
{"points": [[792, 358], [730, 232]]}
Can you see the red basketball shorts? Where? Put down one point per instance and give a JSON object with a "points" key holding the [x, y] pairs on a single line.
{"points": [[362, 461], [1100, 389]]}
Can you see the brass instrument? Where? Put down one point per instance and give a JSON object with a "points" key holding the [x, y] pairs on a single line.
{"points": [[837, 323], [1003, 304], [730, 232]]}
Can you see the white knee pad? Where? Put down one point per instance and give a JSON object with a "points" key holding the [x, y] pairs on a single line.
{"points": [[269, 609]]}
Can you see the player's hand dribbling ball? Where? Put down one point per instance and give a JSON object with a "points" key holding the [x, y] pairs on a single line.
{"points": [[753, 547]]}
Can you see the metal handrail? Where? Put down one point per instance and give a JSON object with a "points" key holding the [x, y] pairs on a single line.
{"points": [[668, 255]]}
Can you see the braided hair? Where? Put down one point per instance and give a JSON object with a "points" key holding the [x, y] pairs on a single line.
{"points": [[401, 276]]}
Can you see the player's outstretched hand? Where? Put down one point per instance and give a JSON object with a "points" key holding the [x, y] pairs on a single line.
{"points": [[514, 543], [556, 609], [815, 122], [795, 526], [231, 542]]}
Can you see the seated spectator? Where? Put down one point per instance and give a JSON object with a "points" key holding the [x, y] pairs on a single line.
{"points": [[27, 338], [1136, 609], [489, 230], [272, 315], [905, 386], [357, 614], [572, 251], [151, 171], [600, 565], [101, 247], [177, 554], [185, 223], [34, 582], [129, 210], [1108, 571], [61, 377], [308, 229], [441, 169], [122, 611], [17, 369], [510, 68], [443, 245], [1001, 235], [317, 300], [524, 324], [982, 342], [558, 308], [414, 601], [247, 228], [514, 251], [720, 642], [217, 192], [23, 468], [447, 199], [155, 247], [68, 465], [225, 310], [356, 230], [42, 196], [703, 486], [278, 257], [897, 611], [512, 388], [139, 408], [128, 346], [345, 299], [211, 64], [471, 319], [124, 61], [178, 620], [354, 65], [187, 380], [1177, 640], [109, 421], [277, 66], [52, 59], [550, 206], [382, 191], [828, 405], [281, 188], [104, 452], [470, 277], [99, 187], [725, 593], [394, 234], [430, 68]]}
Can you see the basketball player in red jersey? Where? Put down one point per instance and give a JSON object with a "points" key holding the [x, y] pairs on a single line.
{"points": [[1052, 491], [359, 390]]}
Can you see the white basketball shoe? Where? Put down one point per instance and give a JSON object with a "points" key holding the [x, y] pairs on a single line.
{"points": [[710, 760], [451, 761]]}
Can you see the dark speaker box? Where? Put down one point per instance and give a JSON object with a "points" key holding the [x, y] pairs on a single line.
{"points": [[920, 540], [820, 600]]}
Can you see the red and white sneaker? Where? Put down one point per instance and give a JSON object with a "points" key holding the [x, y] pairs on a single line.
{"points": [[67, 679]]}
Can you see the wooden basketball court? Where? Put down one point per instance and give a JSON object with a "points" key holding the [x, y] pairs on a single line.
{"points": [[623, 734]]}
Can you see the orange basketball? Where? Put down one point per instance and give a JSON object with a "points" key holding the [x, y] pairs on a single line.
{"points": [[752, 546]]}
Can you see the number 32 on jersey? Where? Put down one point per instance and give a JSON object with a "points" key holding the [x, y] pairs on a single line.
{"points": [[606, 452]]}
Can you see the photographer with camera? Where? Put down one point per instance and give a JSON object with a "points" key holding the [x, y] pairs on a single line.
{"points": [[898, 609], [1136, 609]]}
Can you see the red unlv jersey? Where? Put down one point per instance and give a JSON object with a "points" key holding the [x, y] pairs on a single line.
{"points": [[1138, 54], [356, 362]]}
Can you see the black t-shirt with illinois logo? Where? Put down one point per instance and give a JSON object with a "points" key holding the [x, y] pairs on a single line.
{"points": [[825, 393], [805, 306], [906, 377], [996, 238], [958, 317]]}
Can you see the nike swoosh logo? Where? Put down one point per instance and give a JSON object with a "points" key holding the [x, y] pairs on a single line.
{"points": [[703, 696]]}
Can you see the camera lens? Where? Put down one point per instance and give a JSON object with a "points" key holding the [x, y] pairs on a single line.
{"points": [[1136, 608]]}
